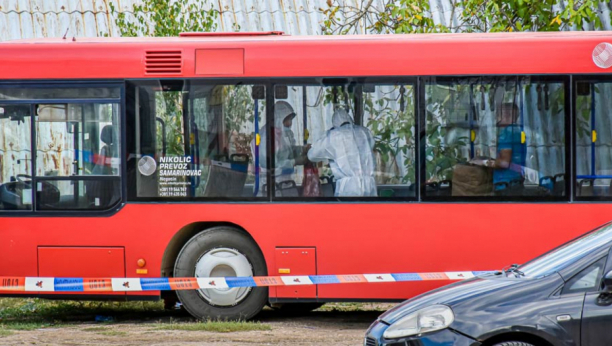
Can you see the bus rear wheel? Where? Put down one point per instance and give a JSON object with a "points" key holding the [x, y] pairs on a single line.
{"points": [[222, 252]]}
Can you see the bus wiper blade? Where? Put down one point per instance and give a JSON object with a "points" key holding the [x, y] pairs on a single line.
{"points": [[514, 270]]}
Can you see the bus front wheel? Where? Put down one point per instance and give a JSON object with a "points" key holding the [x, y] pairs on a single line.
{"points": [[222, 252]]}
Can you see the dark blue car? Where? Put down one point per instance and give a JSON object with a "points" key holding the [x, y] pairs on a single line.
{"points": [[560, 298]]}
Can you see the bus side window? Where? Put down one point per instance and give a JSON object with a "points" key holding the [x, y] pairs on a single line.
{"points": [[593, 141], [310, 146], [389, 113], [199, 140], [16, 173], [500, 138], [77, 150]]}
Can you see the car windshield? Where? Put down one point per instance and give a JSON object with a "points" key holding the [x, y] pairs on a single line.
{"points": [[567, 253]]}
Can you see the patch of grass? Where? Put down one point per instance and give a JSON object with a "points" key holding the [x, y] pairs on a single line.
{"points": [[95, 329], [105, 331], [4, 332], [13, 310], [216, 326], [350, 307], [18, 325], [113, 333]]}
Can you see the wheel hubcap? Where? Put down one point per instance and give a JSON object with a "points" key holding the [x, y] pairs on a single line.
{"points": [[223, 262]]}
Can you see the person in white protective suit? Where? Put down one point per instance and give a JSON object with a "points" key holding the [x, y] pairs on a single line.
{"points": [[348, 147], [287, 154]]}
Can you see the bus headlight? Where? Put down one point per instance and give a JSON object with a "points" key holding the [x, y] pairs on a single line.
{"points": [[429, 319]]}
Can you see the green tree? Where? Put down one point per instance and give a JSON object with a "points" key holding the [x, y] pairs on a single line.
{"points": [[163, 18], [415, 16]]}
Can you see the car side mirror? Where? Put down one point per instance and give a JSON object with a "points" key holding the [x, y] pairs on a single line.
{"points": [[607, 282]]}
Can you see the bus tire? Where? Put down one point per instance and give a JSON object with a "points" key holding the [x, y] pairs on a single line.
{"points": [[220, 252]]}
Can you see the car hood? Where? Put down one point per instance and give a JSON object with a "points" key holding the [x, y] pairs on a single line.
{"points": [[451, 295]]}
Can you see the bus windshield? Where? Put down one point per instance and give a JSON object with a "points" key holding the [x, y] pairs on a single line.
{"points": [[567, 253]]}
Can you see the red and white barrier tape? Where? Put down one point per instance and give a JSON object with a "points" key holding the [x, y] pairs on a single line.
{"points": [[51, 284]]}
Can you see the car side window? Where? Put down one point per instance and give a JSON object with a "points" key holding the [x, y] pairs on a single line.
{"points": [[587, 280]]}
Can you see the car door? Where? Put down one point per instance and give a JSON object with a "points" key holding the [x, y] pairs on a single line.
{"points": [[597, 309]]}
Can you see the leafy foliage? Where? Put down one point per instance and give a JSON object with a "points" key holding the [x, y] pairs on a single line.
{"points": [[163, 18], [415, 16], [392, 122], [169, 109]]}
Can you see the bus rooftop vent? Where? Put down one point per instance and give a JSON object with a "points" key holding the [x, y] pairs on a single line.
{"points": [[163, 62]]}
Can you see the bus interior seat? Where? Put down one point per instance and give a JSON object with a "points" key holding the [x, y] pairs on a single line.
{"points": [[227, 178], [547, 182], [48, 196], [585, 188], [412, 190], [402, 191], [405, 191], [386, 192], [516, 187], [11, 195], [442, 188], [327, 186], [559, 184], [445, 188], [431, 188], [287, 188], [107, 152], [102, 193], [501, 188]]}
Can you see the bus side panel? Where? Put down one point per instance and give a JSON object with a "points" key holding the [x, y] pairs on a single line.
{"points": [[349, 238]]}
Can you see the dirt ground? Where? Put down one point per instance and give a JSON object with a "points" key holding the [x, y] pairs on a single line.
{"points": [[334, 324]]}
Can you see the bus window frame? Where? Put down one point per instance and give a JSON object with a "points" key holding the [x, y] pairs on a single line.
{"points": [[570, 81], [588, 78], [120, 102], [568, 121], [131, 85], [378, 80]]}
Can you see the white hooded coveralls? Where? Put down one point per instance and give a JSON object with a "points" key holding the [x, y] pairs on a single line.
{"points": [[286, 153], [348, 147]]}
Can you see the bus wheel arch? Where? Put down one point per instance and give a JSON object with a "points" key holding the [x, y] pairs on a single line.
{"points": [[219, 250], [181, 238]]}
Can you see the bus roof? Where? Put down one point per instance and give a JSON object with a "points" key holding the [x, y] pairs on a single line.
{"points": [[276, 55]]}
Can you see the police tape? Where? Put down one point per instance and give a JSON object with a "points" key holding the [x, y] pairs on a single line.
{"points": [[53, 284]]}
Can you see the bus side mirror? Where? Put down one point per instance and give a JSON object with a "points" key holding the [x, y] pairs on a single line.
{"points": [[607, 282]]}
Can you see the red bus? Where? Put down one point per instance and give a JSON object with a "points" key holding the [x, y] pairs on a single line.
{"points": [[194, 156]]}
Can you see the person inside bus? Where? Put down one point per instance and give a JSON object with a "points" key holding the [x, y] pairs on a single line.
{"points": [[508, 165], [348, 147], [287, 154]]}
